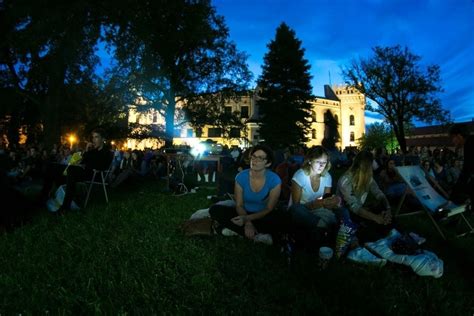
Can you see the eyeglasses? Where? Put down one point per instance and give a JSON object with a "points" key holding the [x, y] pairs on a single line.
{"points": [[320, 162], [258, 158]]}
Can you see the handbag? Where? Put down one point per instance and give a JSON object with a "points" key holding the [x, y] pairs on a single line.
{"points": [[198, 227]]}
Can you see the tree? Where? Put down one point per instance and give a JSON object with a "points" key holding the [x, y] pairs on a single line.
{"points": [[378, 135], [46, 49], [401, 89], [211, 110], [173, 51], [284, 91]]}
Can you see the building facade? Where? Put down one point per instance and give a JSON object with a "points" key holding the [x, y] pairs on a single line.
{"points": [[345, 104]]}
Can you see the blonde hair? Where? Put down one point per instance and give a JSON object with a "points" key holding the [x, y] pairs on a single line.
{"points": [[315, 152], [361, 171]]}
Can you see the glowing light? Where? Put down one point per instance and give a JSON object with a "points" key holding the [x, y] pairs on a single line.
{"points": [[198, 149], [72, 139]]}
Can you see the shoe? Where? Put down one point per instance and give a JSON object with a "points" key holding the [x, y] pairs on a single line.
{"points": [[287, 249], [264, 238], [61, 211], [229, 233], [417, 238]]}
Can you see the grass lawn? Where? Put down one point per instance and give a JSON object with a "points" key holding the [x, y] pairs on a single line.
{"points": [[128, 257]]}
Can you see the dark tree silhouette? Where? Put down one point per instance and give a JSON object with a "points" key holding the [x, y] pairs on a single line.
{"points": [[284, 91], [402, 91]]}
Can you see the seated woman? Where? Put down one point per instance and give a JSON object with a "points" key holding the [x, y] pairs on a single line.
{"points": [[256, 194], [308, 209], [353, 187], [129, 167], [391, 182]]}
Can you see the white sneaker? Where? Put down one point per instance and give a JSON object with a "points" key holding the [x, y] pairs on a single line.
{"points": [[264, 238], [227, 232], [417, 238]]}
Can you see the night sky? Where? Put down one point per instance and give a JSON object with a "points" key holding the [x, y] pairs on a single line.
{"points": [[335, 31]]}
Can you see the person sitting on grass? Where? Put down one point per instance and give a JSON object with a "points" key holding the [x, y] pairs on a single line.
{"points": [[309, 210], [129, 167], [353, 187], [256, 193]]}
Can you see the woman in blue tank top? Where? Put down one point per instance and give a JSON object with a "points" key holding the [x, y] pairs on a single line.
{"points": [[256, 192]]}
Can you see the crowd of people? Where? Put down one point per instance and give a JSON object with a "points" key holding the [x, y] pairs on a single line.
{"points": [[314, 203], [281, 192]]}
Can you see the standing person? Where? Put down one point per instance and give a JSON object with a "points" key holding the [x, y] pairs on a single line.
{"points": [[464, 187], [97, 156], [353, 187], [256, 193]]}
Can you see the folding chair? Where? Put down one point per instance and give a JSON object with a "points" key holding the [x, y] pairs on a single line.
{"points": [[432, 202], [102, 177]]}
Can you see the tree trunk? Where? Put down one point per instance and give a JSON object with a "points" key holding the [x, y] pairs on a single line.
{"points": [[169, 118], [51, 110], [400, 134]]}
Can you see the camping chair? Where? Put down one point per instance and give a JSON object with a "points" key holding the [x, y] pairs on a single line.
{"points": [[432, 202], [176, 175], [99, 177]]}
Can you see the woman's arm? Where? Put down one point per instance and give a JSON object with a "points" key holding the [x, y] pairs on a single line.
{"points": [[239, 199], [378, 194], [345, 188], [378, 218], [296, 192]]}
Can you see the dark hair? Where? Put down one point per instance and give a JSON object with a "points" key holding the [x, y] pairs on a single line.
{"points": [[99, 131], [267, 150], [459, 129]]}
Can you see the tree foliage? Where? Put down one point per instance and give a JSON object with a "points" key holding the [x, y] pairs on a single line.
{"points": [[175, 51], [211, 110], [378, 135], [284, 91], [47, 50], [164, 50], [402, 90]]}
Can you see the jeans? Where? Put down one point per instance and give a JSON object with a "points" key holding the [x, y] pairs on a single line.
{"points": [[273, 223]]}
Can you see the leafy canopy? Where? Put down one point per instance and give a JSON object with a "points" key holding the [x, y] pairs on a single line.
{"points": [[401, 88]]}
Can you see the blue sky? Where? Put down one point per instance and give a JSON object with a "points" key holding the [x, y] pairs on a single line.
{"points": [[335, 31]]}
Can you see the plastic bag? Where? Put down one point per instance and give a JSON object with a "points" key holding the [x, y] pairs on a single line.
{"points": [[424, 263], [55, 202], [344, 237]]}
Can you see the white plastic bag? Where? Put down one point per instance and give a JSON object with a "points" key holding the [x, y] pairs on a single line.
{"points": [[425, 263], [55, 202]]}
